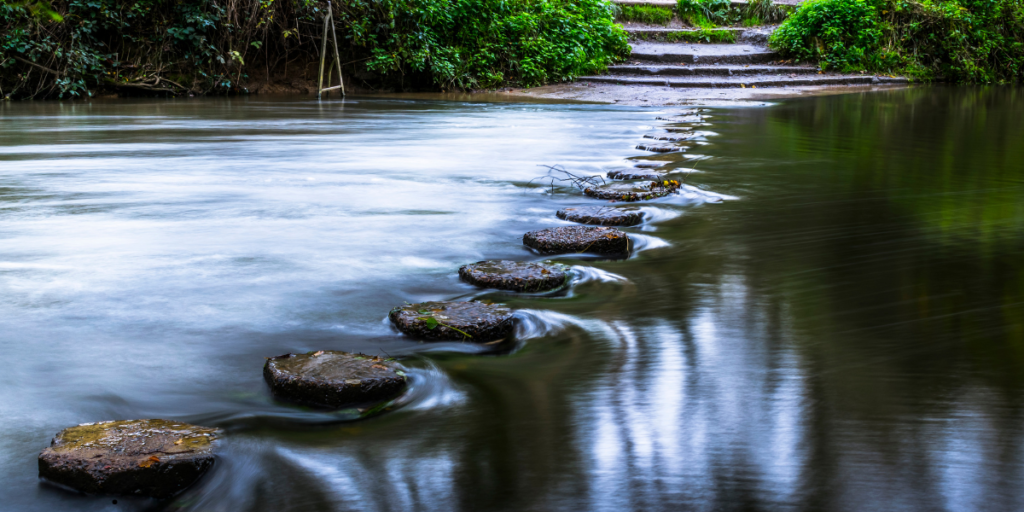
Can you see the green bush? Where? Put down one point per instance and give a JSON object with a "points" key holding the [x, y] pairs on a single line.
{"points": [[707, 13], [841, 33], [206, 46], [649, 14], [977, 41]]}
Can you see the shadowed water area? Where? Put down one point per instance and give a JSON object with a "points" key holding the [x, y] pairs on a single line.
{"points": [[831, 318]]}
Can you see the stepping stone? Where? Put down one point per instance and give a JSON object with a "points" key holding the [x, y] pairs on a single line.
{"points": [[454, 321], [579, 239], [629, 174], [658, 149], [332, 379], [155, 458], [602, 215], [516, 276], [633, 191], [667, 138]]}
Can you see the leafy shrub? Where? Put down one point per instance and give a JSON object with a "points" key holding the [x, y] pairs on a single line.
{"points": [[764, 11], [707, 13], [206, 46], [841, 33], [649, 14], [979, 41]]}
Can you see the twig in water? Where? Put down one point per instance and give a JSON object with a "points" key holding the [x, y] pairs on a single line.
{"points": [[580, 182]]}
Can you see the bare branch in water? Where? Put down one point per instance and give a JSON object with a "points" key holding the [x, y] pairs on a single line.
{"points": [[580, 182]]}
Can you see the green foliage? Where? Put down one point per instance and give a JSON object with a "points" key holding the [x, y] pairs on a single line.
{"points": [[649, 14], [486, 43], [72, 47], [702, 36], [764, 11], [707, 13], [979, 41], [689, 36], [841, 33]]}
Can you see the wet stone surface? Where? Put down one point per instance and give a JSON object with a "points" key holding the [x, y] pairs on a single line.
{"points": [[630, 174], [579, 239], [658, 149], [155, 458], [630, 192], [476, 322], [668, 138], [331, 379], [515, 275], [602, 215]]}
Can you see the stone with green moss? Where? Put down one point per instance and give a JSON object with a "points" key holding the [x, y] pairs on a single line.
{"points": [[151, 457], [473, 321]]}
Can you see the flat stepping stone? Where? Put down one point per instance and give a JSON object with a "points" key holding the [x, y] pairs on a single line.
{"points": [[332, 379], [155, 458], [515, 276], [630, 174], [454, 321], [658, 149], [630, 192], [578, 239], [668, 138], [602, 215]]}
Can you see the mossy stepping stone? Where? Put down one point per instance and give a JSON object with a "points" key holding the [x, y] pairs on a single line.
{"points": [[332, 379], [454, 321], [631, 174], [602, 215], [155, 458], [517, 276], [631, 192], [578, 239]]}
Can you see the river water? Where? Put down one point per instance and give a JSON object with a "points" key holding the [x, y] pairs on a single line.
{"points": [[831, 318]]}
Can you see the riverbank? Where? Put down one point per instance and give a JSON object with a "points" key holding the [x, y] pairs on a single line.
{"points": [[644, 95]]}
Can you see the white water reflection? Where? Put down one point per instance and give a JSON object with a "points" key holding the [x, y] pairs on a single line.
{"points": [[683, 411]]}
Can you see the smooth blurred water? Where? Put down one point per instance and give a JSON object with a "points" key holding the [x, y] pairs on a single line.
{"points": [[831, 319]]}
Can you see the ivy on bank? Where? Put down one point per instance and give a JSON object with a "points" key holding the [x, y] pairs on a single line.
{"points": [[71, 48]]}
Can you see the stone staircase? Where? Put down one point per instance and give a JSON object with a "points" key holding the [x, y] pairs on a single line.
{"points": [[746, 63]]}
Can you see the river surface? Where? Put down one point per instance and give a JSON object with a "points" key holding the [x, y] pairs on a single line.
{"points": [[830, 318]]}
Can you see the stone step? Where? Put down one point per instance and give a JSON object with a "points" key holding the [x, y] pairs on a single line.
{"points": [[691, 53], [743, 81], [709, 70]]}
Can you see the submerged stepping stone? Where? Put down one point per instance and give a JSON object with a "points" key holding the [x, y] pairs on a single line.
{"points": [[578, 239], [633, 191], [155, 458], [629, 174], [332, 379], [516, 276], [454, 321], [602, 215], [658, 149], [667, 138]]}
